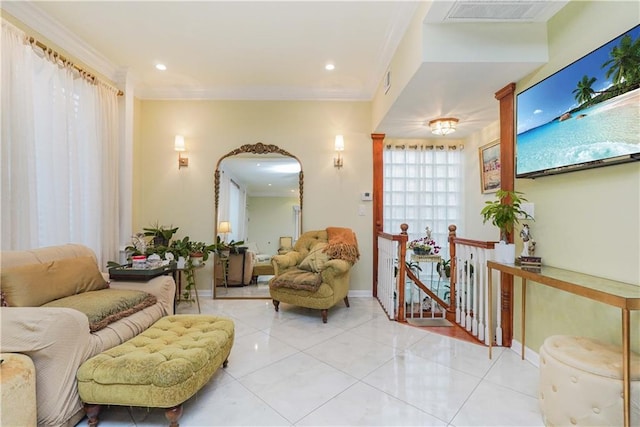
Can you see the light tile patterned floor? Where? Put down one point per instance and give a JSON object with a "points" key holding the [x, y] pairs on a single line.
{"points": [[359, 369]]}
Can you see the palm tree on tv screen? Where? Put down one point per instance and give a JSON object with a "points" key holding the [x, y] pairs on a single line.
{"points": [[584, 92], [625, 62]]}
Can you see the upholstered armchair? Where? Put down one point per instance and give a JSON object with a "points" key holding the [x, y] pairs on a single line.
{"points": [[316, 273]]}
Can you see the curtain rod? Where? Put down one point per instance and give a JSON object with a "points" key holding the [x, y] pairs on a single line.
{"points": [[84, 73], [425, 147]]}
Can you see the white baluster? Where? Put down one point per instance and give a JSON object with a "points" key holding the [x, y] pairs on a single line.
{"points": [[482, 292], [475, 288], [458, 293], [499, 314]]}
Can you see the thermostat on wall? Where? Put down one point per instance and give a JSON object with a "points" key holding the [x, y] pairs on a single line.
{"points": [[367, 196]]}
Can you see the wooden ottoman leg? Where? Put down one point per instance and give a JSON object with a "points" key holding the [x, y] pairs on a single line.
{"points": [[173, 415], [92, 412], [346, 301], [276, 304], [324, 312]]}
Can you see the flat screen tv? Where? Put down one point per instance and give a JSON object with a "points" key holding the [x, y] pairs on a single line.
{"points": [[586, 115]]}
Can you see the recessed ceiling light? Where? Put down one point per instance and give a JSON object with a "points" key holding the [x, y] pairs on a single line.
{"points": [[161, 67], [329, 67]]}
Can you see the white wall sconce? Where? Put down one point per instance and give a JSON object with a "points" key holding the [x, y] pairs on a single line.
{"points": [[180, 148], [339, 147], [443, 126]]}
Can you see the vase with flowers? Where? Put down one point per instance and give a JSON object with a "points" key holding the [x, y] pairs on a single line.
{"points": [[425, 245]]}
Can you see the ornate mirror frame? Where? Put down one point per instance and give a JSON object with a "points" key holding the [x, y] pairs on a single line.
{"points": [[258, 148]]}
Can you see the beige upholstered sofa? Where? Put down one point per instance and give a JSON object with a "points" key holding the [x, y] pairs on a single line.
{"points": [[39, 287], [316, 273]]}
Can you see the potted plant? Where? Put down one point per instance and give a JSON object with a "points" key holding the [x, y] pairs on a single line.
{"points": [[160, 235], [504, 212], [224, 249], [199, 252], [444, 268]]}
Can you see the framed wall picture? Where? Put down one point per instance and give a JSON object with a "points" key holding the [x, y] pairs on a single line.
{"points": [[490, 167]]}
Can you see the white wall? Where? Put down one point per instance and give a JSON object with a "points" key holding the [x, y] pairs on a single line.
{"points": [[586, 221], [185, 197]]}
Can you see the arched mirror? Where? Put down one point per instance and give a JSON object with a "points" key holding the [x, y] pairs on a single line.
{"points": [[258, 200]]}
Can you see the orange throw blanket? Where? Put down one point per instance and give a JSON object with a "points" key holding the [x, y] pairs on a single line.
{"points": [[342, 244]]}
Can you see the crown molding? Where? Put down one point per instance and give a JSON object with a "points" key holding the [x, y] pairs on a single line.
{"points": [[53, 30], [251, 94]]}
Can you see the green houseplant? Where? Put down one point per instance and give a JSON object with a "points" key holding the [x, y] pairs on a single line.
{"points": [[223, 249], [444, 268], [160, 234], [505, 212]]}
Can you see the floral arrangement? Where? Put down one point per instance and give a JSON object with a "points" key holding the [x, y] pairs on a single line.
{"points": [[424, 245]]}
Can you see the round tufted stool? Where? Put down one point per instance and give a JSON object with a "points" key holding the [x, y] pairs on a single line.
{"points": [[160, 368], [18, 387], [581, 383]]}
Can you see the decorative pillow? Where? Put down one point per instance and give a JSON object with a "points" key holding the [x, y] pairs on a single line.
{"points": [[36, 284], [316, 259], [106, 305], [297, 279]]}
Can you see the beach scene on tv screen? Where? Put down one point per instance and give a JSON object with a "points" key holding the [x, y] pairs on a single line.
{"points": [[586, 112]]}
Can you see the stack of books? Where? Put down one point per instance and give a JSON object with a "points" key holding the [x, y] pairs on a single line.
{"points": [[531, 263]]}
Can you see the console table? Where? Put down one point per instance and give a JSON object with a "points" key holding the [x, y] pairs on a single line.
{"points": [[618, 294]]}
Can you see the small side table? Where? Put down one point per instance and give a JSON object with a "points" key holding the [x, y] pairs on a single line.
{"points": [[180, 274], [224, 263]]}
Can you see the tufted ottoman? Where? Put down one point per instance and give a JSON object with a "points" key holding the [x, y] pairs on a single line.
{"points": [[581, 383], [160, 368], [18, 390]]}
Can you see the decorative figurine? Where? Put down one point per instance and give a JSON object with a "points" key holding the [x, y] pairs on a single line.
{"points": [[525, 234]]}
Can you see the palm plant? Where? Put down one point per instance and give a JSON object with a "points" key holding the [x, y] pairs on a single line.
{"points": [[505, 211]]}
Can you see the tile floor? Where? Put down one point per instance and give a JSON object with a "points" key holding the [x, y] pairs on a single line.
{"points": [[359, 369], [257, 290]]}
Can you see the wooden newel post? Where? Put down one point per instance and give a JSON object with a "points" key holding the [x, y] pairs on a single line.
{"points": [[401, 278], [452, 267]]}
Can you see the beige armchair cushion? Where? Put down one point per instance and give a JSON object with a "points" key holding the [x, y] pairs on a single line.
{"points": [[35, 284], [316, 259]]}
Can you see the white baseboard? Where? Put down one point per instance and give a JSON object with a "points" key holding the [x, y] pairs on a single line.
{"points": [[529, 355], [207, 293], [360, 294]]}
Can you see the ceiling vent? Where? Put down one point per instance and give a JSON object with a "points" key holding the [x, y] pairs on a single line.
{"points": [[494, 11]]}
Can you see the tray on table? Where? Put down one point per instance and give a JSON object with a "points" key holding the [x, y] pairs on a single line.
{"points": [[127, 272]]}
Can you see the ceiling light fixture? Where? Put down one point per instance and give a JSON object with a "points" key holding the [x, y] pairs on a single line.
{"points": [[161, 67], [329, 67], [443, 126]]}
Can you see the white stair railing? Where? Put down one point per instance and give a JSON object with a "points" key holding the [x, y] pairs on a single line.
{"points": [[386, 290], [472, 291]]}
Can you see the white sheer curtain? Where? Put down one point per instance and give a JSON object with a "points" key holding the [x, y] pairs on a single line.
{"points": [[59, 153], [423, 187]]}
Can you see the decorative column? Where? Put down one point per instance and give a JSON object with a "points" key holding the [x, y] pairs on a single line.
{"points": [[378, 181], [506, 97]]}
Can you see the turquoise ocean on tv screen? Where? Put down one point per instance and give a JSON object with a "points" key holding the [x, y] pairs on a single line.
{"points": [[609, 129]]}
